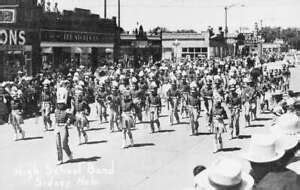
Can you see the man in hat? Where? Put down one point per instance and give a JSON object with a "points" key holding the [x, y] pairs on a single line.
{"points": [[127, 108], [101, 95], [184, 88], [286, 74], [234, 103], [194, 105], [248, 99], [62, 119], [218, 116], [114, 102], [154, 104], [3, 105], [207, 95], [137, 96], [224, 173], [46, 97], [81, 111], [16, 119], [173, 95]]}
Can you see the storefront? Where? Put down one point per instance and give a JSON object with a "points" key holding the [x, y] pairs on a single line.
{"points": [[65, 49], [33, 40], [185, 45], [137, 50], [15, 53]]}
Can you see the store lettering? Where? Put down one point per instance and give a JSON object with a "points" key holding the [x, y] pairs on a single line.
{"points": [[81, 37], [12, 37]]}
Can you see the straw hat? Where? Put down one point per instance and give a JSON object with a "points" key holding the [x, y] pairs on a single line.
{"points": [[46, 82], [224, 174], [295, 167], [262, 149], [285, 142], [287, 124]]}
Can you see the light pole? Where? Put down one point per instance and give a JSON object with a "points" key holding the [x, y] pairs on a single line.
{"points": [[119, 13], [226, 8], [105, 8], [176, 44]]}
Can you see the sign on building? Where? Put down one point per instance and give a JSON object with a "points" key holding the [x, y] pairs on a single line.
{"points": [[12, 39], [7, 16]]}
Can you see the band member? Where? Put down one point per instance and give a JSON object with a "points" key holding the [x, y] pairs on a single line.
{"points": [[127, 108], [207, 94], [184, 89], [246, 100], [16, 119], [137, 95], [234, 103], [46, 98], [194, 105], [82, 110], [154, 104], [174, 98], [101, 95], [62, 119], [219, 114], [286, 74], [114, 102]]}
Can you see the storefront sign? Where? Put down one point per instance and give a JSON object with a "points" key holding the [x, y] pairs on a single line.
{"points": [[83, 37], [12, 37], [250, 38], [140, 44], [7, 16], [12, 48]]}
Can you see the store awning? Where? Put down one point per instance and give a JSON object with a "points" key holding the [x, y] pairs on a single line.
{"points": [[73, 44]]}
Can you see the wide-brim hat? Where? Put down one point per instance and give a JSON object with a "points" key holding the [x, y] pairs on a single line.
{"points": [[286, 143], [226, 174], [262, 149], [46, 82], [286, 124]]}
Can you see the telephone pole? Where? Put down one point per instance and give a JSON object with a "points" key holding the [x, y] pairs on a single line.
{"points": [[105, 8], [119, 13]]}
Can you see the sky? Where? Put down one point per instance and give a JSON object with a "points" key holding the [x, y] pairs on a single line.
{"points": [[194, 14]]}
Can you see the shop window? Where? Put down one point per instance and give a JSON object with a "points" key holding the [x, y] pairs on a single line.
{"points": [[204, 49], [191, 50], [184, 49], [197, 49]]}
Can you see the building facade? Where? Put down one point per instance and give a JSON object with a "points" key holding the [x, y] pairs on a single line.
{"points": [[33, 39], [140, 48], [185, 45]]}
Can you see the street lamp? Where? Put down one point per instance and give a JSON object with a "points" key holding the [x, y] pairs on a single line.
{"points": [[176, 44], [226, 8]]}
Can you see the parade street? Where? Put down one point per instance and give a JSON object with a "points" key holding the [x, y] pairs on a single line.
{"points": [[162, 160]]}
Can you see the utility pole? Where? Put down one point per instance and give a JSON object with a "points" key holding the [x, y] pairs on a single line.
{"points": [[119, 14], [105, 9], [226, 26]]}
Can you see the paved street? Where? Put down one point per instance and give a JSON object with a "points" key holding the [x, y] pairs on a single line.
{"points": [[159, 161]]}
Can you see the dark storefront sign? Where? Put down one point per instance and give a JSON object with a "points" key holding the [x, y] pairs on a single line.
{"points": [[82, 37], [12, 48], [7, 16], [140, 44]]}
